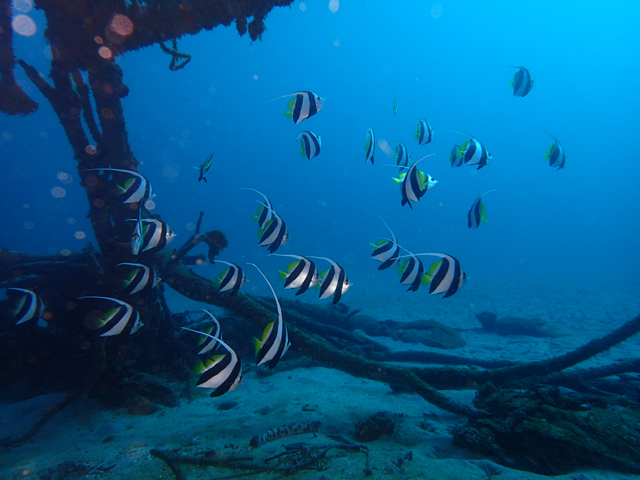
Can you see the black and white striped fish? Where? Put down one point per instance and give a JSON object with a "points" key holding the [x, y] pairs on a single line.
{"points": [[209, 341], [265, 212], [369, 146], [274, 234], [303, 105], [309, 144], [411, 272], [231, 278], [155, 235], [27, 305], [414, 183], [113, 321], [474, 153], [555, 155], [402, 156], [135, 189], [140, 278], [476, 214], [521, 83], [334, 281], [301, 274], [455, 158], [386, 250], [424, 133], [446, 275], [222, 373], [275, 338]]}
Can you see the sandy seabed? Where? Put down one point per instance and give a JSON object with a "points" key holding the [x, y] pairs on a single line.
{"points": [[114, 444]]}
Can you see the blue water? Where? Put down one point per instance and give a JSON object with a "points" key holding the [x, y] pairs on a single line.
{"points": [[449, 63]]}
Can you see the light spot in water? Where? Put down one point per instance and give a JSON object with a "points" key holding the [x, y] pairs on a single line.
{"points": [[185, 143], [256, 77], [212, 90], [105, 52], [58, 192], [23, 6], [149, 204], [26, 205], [303, 6], [98, 39], [386, 148], [91, 150], [71, 221], [186, 133], [206, 103], [24, 25], [80, 235], [65, 252], [334, 5], [106, 113], [65, 177], [28, 225], [436, 11], [190, 227], [98, 203], [322, 203], [171, 170], [336, 42], [7, 136], [122, 25]]}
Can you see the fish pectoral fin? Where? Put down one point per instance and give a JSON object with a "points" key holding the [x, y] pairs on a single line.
{"points": [[425, 280], [282, 275]]}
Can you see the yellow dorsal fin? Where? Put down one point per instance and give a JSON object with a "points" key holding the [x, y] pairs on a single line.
{"points": [[267, 331], [257, 344], [202, 337]]}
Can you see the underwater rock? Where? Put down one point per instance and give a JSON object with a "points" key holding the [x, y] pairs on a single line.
{"points": [[428, 332], [549, 432], [511, 325], [375, 426]]}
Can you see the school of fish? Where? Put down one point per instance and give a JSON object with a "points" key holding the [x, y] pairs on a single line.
{"points": [[222, 370]]}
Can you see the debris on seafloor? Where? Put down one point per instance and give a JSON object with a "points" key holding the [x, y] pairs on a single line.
{"points": [[287, 430], [512, 325]]}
